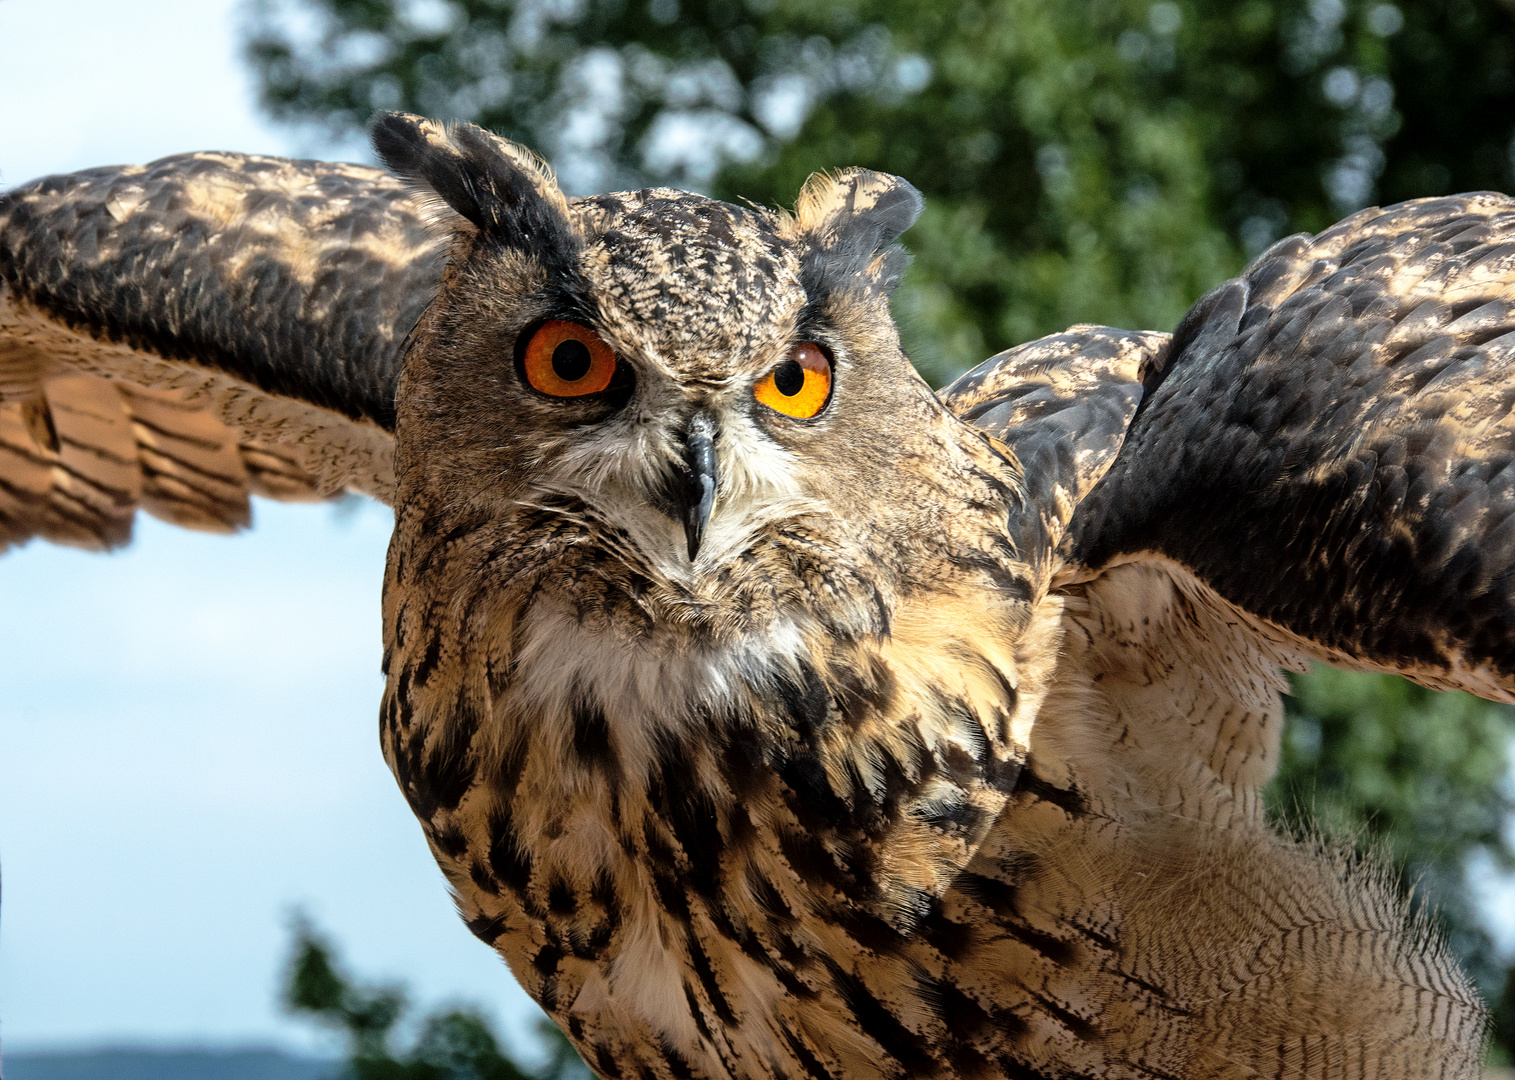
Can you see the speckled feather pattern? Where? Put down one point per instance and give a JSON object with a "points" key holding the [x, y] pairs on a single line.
{"points": [[942, 755], [261, 305], [1332, 446], [301, 277], [1062, 404]]}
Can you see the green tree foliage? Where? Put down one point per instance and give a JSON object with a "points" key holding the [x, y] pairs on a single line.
{"points": [[451, 1044], [1101, 161]]}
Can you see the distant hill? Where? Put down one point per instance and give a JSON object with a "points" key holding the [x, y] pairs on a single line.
{"points": [[167, 1065]]}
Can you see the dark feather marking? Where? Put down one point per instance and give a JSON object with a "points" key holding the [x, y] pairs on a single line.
{"points": [[511, 863], [969, 1063], [94, 452], [867, 815], [806, 702], [560, 897], [1069, 800], [703, 971], [671, 895], [741, 833], [429, 659], [691, 816], [488, 928], [449, 840], [436, 777], [659, 853], [1163, 1000], [961, 818], [504, 782], [769, 899], [868, 930], [599, 941], [809, 857], [1081, 1028], [745, 757], [592, 743], [792, 953], [663, 863], [793, 985], [876, 1021], [806, 1058], [603, 894], [389, 715], [1003, 775], [696, 1013], [546, 963], [605, 1062], [678, 1065], [1000, 897], [1009, 580], [954, 940], [963, 1016], [859, 859], [814, 804], [482, 879], [864, 691]]}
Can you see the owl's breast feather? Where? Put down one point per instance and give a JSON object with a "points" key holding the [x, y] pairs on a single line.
{"points": [[641, 831]]}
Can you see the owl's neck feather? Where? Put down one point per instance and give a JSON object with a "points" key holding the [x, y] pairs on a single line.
{"points": [[910, 738]]}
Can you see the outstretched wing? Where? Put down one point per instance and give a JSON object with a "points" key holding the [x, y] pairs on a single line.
{"points": [[1318, 464], [180, 335], [1330, 448]]}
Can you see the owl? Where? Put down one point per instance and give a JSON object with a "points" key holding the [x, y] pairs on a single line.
{"points": [[770, 714]]}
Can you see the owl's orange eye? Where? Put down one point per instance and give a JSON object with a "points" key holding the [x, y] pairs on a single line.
{"points": [[565, 359], [800, 386]]}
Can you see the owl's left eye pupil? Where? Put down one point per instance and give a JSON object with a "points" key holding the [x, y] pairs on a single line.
{"points": [[789, 378], [571, 360]]}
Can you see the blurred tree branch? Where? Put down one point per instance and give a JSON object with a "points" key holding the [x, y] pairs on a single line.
{"points": [[452, 1044]]}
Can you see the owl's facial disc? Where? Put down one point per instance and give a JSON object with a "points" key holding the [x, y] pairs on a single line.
{"points": [[699, 408]]}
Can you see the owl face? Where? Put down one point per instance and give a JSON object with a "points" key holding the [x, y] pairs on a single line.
{"points": [[695, 409], [699, 312]]}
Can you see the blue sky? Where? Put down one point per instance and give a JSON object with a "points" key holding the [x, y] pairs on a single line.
{"points": [[188, 728]]}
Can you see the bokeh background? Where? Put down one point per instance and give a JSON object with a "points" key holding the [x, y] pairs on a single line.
{"points": [[186, 734]]}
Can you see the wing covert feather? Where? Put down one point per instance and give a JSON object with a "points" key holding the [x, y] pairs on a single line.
{"points": [[180, 335], [1331, 448], [1062, 404]]}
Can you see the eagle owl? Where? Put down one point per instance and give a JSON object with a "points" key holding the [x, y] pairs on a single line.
{"points": [[770, 714]]}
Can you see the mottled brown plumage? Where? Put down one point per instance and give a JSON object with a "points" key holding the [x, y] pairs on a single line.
{"points": [[180, 335], [933, 745]]}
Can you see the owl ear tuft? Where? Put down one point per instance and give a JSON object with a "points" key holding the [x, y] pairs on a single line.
{"points": [[504, 189], [850, 221]]}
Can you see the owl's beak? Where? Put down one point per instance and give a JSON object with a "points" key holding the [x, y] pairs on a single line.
{"points": [[697, 498]]}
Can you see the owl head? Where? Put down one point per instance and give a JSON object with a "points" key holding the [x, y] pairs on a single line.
{"points": [[674, 407]]}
